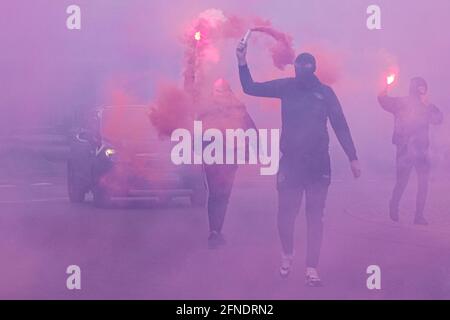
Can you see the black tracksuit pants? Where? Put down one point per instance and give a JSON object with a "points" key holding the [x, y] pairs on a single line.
{"points": [[298, 177]]}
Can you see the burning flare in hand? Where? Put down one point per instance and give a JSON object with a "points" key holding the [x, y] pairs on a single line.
{"points": [[198, 36], [390, 79]]}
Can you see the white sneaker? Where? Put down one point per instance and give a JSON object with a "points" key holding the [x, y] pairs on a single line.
{"points": [[286, 264], [312, 278]]}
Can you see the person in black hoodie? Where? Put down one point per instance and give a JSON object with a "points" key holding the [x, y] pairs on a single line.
{"points": [[306, 107], [413, 115]]}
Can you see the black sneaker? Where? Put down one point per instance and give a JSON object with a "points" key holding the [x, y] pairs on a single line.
{"points": [[421, 221], [215, 240], [393, 212]]}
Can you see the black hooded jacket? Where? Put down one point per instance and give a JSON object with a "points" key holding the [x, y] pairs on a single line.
{"points": [[306, 106]]}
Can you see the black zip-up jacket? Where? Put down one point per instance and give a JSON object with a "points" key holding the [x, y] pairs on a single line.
{"points": [[306, 107]]}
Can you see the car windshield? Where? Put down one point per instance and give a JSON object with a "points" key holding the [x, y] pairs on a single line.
{"points": [[126, 123]]}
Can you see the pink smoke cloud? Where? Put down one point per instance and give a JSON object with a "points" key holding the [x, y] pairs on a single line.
{"points": [[202, 41], [329, 62], [172, 109], [282, 51], [213, 26]]}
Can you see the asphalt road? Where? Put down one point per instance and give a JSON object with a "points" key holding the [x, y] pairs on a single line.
{"points": [[145, 250]]}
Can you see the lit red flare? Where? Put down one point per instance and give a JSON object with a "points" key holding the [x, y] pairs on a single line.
{"points": [[198, 36], [390, 79]]}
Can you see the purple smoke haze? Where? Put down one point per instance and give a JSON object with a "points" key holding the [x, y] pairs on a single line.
{"points": [[132, 52]]}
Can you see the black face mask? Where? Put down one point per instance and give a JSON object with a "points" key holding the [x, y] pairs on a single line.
{"points": [[305, 65], [415, 85]]}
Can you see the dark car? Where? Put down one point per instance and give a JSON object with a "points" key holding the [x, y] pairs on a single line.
{"points": [[116, 152]]}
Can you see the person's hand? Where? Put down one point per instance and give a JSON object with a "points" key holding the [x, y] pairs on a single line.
{"points": [[356, 168], [241, 53]]}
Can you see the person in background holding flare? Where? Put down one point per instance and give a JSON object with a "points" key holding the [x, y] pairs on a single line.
{"points": [[413, 115], [306, 107], [218, 108]]}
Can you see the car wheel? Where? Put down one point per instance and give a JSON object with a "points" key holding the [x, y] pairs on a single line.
{"points": [[76, 191], [102, 197]]}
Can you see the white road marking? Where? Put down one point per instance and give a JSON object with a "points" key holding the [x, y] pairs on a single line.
{"points": [[49, 199], [41, 184], [34, 200], [7, 186]]}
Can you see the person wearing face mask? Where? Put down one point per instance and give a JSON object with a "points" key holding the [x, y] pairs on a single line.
{"points": [[413, 116], [306, 107], [220, 109]]}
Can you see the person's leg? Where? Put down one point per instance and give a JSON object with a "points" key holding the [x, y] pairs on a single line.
{"points": [[403, 168], [316, 195], [423, 170], [289, 202], [290, 192], [220, 180]]}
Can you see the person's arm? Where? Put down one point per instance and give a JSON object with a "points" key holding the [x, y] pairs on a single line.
{"points": [[269, 89], [436, 115], [342, 131], [390, 104]]}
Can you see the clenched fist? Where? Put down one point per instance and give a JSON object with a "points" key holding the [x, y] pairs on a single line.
{"points": [[241, 53]]}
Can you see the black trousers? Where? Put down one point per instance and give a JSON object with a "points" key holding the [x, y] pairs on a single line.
{"points": [[298, 177], [407, 160], [219, 178]]}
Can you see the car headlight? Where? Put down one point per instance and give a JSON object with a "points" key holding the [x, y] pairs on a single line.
{"points": [[109, 152]]}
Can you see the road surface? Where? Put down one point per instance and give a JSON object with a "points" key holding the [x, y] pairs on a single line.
{"points": [[144, 250]]}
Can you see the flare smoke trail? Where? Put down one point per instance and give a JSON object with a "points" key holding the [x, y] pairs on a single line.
{"points": [[390, 66], [282, 52], [329, 62], [172, 108]]}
